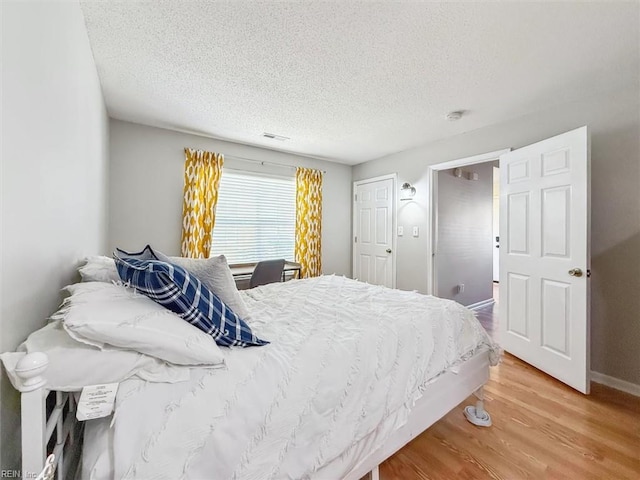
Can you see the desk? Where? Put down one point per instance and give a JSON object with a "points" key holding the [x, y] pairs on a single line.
{"points": [[246, 269]]}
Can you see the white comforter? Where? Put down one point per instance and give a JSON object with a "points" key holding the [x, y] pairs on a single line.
{"points": [[345, 357]]}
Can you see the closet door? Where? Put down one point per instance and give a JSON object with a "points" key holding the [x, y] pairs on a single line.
{"points": [[373, 247]]}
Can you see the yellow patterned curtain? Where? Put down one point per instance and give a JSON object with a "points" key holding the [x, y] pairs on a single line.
{"points": [[309, 221], [202, 172]]}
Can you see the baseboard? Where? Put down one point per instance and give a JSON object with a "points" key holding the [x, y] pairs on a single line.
{"points": [[481, 304], [616, 383]]}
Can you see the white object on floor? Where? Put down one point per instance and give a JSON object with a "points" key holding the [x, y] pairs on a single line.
{"points": [[477, 414]]}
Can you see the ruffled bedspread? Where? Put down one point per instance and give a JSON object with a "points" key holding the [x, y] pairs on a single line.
{"points": [[345, 358]]}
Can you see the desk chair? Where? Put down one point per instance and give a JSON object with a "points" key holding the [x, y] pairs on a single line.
{"points": [[268, 271]]}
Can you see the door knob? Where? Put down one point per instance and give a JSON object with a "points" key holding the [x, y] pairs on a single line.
{"points": [[388, 250], [575, 272]]}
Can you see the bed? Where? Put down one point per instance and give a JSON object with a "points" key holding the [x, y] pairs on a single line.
{"points": [[351, 374]]}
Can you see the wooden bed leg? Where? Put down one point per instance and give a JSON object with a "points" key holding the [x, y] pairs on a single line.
{"points": [[477, 414], [372, 475]]}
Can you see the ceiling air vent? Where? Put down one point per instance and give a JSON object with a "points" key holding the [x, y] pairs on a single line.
{"points": [[273, 136]]}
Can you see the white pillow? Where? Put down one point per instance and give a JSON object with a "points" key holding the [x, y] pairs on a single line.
{"points": [[99, 269], [102, 314], [216, 275], [73, 365]]}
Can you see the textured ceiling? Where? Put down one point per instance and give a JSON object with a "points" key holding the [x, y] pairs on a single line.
{"points": [[349, 81]]}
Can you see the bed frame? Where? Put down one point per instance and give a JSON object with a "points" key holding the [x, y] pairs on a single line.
{"points": [[40, 422], [438, 399], [45, 412]]}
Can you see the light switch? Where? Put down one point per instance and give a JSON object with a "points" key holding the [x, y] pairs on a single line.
{"points": [[400, 231], [416, 231]]}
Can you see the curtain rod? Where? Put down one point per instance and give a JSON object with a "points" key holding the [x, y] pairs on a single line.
{"points": [[263, 162]]}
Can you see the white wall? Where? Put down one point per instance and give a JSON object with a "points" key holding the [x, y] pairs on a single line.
{"points": [[614, 121], [147, 179], [54, 174]]}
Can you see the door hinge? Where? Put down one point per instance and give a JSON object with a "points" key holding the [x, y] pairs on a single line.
{"points": [[355, 239], [355, 197]]}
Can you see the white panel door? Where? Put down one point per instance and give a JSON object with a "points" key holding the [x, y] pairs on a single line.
{"points": [[373, 232], [544, 256]]}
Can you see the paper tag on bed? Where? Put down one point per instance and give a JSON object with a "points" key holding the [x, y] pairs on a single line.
{"points": [[96, 401]]}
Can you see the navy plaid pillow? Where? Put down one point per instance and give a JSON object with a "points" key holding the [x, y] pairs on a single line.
{"points": [[174, 288]]}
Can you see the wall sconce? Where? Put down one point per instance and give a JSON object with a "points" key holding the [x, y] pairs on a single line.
{"points": [[407, 191]]}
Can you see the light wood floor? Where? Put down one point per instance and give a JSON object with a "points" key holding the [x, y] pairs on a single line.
{"points": [[541, 429]]}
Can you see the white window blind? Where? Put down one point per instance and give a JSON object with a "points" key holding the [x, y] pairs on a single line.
{"points": [[255, 217]]}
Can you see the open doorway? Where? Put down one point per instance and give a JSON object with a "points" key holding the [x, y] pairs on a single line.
{"points": [[488, 315], [465, 242], [496, 229]]}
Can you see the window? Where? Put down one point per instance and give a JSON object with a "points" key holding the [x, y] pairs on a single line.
{"points": [[255, 217]]}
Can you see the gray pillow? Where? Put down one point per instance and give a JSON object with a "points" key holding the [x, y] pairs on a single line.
{"points": [[216, 275]]}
